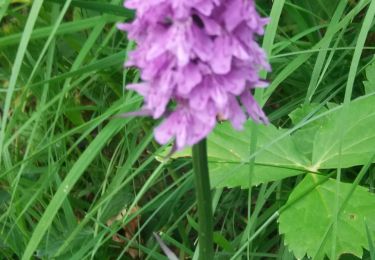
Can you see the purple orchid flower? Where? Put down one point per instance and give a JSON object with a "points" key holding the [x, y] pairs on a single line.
{"points": [[202, 56]]}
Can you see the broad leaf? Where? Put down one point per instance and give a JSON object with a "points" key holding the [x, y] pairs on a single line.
{"points": [[352, 129], [314, 146], [280, 155], [229, 151], [308, 221], [304, 137]]}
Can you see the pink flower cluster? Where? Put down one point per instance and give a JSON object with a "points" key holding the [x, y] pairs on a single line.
{"points": [[199, 61]]}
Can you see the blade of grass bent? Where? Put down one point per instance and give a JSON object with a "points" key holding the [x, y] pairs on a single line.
{"points": [[297, 62], [323, 52], [366, 26], [24, 162], [49, 40], [49, 69], [101, 7], [116, 185], [31, 19], [4, 9], [65, 28], [72, 177]]}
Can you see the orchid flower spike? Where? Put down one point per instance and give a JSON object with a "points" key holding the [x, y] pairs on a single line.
{"points": [[199, 60]]}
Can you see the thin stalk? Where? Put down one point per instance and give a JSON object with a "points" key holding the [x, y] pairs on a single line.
{"points": [[203, 191]]}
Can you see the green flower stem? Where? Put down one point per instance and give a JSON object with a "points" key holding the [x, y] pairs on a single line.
{"points": [[203, 190]]}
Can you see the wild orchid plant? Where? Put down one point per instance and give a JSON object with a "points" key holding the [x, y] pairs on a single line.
{"points": [[199, 61]]}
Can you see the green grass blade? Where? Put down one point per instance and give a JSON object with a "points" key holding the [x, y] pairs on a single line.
{"points": [[65, 28], [101, 7], [74, 174], [366, 26], [37, 4], [4, 8]]}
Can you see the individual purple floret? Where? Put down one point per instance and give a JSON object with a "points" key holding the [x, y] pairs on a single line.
{"points": [[199, 61]]}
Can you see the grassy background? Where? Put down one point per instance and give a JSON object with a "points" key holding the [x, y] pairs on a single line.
{"points": [[67, 167]]}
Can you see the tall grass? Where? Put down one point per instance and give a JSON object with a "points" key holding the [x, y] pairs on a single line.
{"points": [[68, 167]]}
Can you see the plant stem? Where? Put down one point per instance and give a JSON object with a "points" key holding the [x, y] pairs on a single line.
{"points": [[203, 191]]}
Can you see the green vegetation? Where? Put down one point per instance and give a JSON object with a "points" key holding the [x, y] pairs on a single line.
{"points": [[77, 182]]}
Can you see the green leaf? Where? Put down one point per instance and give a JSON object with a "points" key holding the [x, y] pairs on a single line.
{"points": [[279, 155], [370, 241], [304, 137], [228, 152], [308, 221], [358, 136], [370, 83]]}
